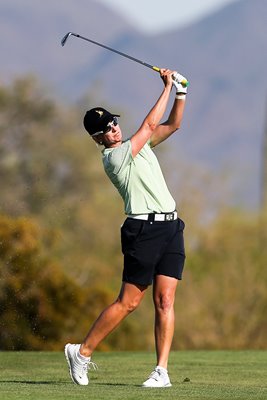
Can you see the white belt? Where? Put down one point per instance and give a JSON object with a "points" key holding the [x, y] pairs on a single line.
{"points": [[155, 217]]}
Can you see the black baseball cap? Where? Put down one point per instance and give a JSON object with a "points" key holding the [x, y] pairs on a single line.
{"points": [[96, 119]]}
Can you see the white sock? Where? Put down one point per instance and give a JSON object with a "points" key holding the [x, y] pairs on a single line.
{"points": [[164, 370], [81, 357]]}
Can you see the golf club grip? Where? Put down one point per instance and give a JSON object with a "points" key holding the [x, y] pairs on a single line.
{"points": [[184, 82]]}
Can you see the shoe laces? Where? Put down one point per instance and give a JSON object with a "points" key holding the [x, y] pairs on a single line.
{"points": [[87, 365], [92, 365], [155, 375]]}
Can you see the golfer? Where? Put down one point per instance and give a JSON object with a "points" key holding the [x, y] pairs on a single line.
{"points": [[152, 234]]}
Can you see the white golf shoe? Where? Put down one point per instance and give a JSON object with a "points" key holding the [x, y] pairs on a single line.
{"points": [[78, 366], [157, 379]]}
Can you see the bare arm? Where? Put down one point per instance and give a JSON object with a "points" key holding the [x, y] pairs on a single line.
{"points": [[163, 131], [152, 120]]}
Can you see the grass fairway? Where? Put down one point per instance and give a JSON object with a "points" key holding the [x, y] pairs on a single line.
{"points": [[213, 375]]}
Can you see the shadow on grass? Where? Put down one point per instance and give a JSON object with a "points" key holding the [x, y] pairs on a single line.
{"points": [[116, 384], [33, 382], [26, 382]]}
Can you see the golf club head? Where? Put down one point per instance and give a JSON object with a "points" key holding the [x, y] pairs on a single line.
{"points": [[65, 38]]}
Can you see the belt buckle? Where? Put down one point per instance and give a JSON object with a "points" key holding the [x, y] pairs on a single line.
{"points": [[169, 217]]}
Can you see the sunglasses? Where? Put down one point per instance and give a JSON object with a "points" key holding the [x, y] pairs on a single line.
{"points": [[108, 128]]}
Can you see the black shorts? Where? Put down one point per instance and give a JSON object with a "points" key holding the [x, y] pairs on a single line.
{"points": [[152, 248]]}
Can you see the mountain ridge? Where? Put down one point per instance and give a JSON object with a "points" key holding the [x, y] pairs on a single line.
{"points": [[224, 56]]}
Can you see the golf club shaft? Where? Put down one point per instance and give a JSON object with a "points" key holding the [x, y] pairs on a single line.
{"points": [[63, 41]]}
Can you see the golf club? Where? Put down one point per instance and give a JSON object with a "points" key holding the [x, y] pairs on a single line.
{"points": [[65, 38]]}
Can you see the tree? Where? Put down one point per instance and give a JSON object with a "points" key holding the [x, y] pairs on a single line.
{"points": [[35, 293], [225, 300]]}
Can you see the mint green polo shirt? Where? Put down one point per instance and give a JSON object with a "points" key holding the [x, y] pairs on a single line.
{"points": [[139, 180]]}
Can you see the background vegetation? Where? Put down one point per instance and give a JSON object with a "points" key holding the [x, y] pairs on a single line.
{"points": [[60, 260]]}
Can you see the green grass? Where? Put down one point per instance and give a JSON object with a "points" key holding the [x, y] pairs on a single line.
{"points": [[213, 375]]}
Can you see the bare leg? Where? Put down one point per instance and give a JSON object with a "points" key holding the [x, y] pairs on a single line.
{"points": [[164, 295], [129, 298]]}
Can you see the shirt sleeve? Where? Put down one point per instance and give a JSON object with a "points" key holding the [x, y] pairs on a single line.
{"points": [[119, 158]]}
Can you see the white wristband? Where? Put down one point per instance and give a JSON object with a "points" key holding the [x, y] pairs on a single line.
{"points": [[180, 96]]}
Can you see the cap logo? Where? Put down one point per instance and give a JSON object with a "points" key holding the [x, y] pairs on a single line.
{"points": [[99, 112]]}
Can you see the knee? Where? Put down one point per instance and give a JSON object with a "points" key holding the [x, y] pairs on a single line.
{"points": [[164, 303], [129, 306]]}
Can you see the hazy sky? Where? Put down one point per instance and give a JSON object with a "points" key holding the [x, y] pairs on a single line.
{"points": [[153, 15]]}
